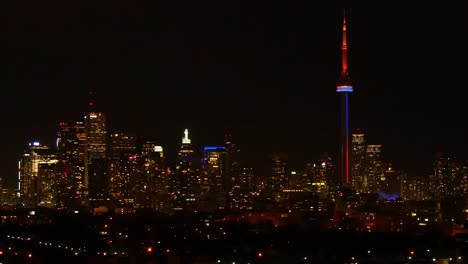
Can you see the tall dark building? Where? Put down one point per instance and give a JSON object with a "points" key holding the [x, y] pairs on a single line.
{"points": [[121, 146], [71, 141], [357, 161], [214, 167], [278, 179], [233, 167], [344, 88]]}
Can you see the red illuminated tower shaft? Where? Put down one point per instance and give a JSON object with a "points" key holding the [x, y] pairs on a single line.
{"points": [[344, 88]]}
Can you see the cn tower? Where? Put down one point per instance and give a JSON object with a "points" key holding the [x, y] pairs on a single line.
{"points": [[344, 88]]}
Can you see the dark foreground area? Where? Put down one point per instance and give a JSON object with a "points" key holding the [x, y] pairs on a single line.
{"points": [[149, 238]]}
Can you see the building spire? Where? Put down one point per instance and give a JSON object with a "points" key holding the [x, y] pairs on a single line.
{"points": [[92, 99], [186, 139]]}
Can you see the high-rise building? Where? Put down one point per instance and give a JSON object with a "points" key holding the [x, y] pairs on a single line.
{"points": [[233, 167], [71, 141], [278, 179], [37, 174], [374, 169], [357, 161], [344, 88], [214, 171], [95, 146], [185, 179], [441, 175], [121, 146], [120, 143]]}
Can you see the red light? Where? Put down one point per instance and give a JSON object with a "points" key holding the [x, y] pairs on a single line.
{"points": [[260, 254], [29, 255], [149, 250], [412, 252], [1, 253]]}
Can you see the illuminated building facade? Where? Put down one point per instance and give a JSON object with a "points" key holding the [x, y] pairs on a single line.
{"points": [[96, 144], [344, 88], [374, 170], [357, 161], [415, 188], [37, 173]]}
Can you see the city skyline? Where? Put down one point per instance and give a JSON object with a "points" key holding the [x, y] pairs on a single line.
{"points": [[204, 82]]}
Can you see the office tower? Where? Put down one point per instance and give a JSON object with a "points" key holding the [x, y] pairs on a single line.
{"points": [[233, 167], [95, 150], [214, 168], [441, 175], [242, 193], [344, 88], [278, 178], [148, 145], [322, 179], [393, 181], [185, 178], [71, 140], [121, 143], [357, 161], [37, 175], [374, 169], [121, 146], [156, 178], [98, 182]]}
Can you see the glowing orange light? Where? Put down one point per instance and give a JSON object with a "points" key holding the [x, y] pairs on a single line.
{"points": [[29, 255], [260, 254], [168, 250], [149, 249], [1, 252], [412, 252]]}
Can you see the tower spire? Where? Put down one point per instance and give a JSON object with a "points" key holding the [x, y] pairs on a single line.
{"points": [[344, 48], [344, 82]]}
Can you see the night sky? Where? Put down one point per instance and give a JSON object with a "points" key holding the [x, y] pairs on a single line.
{"points": [[263, 71]]}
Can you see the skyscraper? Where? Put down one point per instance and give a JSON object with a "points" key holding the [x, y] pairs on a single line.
{"points": [[374, 168], [184, 182], [277, 181], [214, 165], [357, 161], [71, 140], [344, 88], [96, 143]]}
